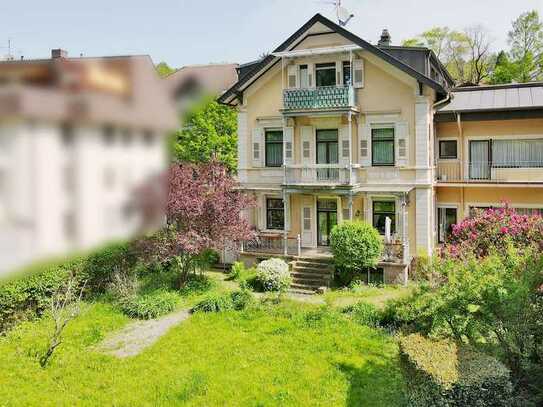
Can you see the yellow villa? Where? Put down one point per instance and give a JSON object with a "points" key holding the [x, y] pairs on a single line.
{"points": [[331, 127]]}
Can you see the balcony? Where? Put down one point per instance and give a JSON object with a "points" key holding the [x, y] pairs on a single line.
{"points": [[321, 98], [456, 171], [318, 174]]}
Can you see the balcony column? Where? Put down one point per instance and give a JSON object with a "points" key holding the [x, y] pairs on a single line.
{"points": [[405, 231], [350, 205], [286, 223], [350, 120]]}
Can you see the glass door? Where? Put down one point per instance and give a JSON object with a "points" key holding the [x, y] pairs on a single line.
{"points": [[327, 153], [326, 220], [479, 159], [447, 218]]}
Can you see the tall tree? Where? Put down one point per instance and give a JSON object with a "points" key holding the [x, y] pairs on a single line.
{"points": [[480, 60], [504, 70], [209, 132], [434, 38], [203, 211], [164, 69], [526, 40]]}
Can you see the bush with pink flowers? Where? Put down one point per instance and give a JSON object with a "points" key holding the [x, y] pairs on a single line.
{"points": [[493, 230]]}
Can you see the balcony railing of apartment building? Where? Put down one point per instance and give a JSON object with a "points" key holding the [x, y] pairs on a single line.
{"points": [[318, 174], [325, 97], [487, 171]]}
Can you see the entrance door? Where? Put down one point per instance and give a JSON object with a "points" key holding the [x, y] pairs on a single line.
{"points": [[326, 220], [327, 153], [446, 218], [479, 159], [307, 236]]}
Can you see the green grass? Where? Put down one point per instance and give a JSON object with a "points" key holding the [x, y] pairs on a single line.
{"points": [[290, 354], [377, 296]]}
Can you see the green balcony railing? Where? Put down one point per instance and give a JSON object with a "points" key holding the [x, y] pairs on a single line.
{"points": [[325, 97]]}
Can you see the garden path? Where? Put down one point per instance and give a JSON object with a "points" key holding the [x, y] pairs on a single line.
{"points": [[139, 335]]}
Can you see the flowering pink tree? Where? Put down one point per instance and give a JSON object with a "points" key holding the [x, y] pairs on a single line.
{"points": [[203, 211], [493, 230]]}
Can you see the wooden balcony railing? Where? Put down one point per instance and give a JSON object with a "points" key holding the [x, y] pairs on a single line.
{"points": [[324, 97]]}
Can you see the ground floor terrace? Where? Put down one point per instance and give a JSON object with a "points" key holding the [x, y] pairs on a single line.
{"points": [[296, 223]]}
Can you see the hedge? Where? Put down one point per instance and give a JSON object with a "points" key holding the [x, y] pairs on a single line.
{"points": [[443, 373], [28, 296]]}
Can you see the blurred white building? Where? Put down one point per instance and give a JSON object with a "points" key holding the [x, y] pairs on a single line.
{"points": [[77, 135]]}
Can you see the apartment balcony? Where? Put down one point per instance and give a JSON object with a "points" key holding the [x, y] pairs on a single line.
{"points": [[318, 175], [321, 98], [457, 171]]}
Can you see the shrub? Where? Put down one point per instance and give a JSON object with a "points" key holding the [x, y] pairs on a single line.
{"points": [[29, 295], [364, 313], [151, 305], [238, 268], [214, 302], [492, 230], [442, 373], [355, 245], [99, 267], [242, 299], [273, 275]]}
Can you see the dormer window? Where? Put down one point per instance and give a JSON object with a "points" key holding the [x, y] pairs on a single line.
{"points": [[325, 74]]}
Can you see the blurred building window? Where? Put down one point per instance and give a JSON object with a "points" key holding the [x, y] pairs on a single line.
{"points": [[148, 137], [69, 177], [108, 135], [109, 177], [67, 134], [70, 229], [127, 136]]}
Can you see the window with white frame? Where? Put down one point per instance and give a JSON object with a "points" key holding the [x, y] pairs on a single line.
{"points": [[275, 213], [382, 210], [382, 146]]}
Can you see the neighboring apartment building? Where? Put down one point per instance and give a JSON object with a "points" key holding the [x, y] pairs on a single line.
{"points": [[332, 127], [188, 84], [77, 136]]}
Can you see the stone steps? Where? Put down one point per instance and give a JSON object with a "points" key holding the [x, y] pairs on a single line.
{"points": [[309, 274]]}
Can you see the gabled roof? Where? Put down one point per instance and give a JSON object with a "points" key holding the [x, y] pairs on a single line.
{"points": [[231, 94]]}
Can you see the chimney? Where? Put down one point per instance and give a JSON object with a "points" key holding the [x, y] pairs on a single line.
{"points": [[385, 39], [58, 53]]}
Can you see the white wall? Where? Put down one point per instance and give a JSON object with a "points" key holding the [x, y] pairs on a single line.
{"points": [[44, 181]]}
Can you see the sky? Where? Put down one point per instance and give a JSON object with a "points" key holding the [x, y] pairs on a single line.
{"points": [[185, 32]]}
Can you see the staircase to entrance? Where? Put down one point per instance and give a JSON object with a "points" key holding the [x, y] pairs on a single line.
{"points": [[311, 273]]}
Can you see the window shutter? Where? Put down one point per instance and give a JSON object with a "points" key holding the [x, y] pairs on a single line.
{"points": [[307, 147], [339, 72], [292, 71], [344, 145], [364, 138], [311, 74], [402, 138], [258, 153], [288, 136], [358, 73]]}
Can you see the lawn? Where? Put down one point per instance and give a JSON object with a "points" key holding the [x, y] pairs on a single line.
{"points": [[287, 354]]}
